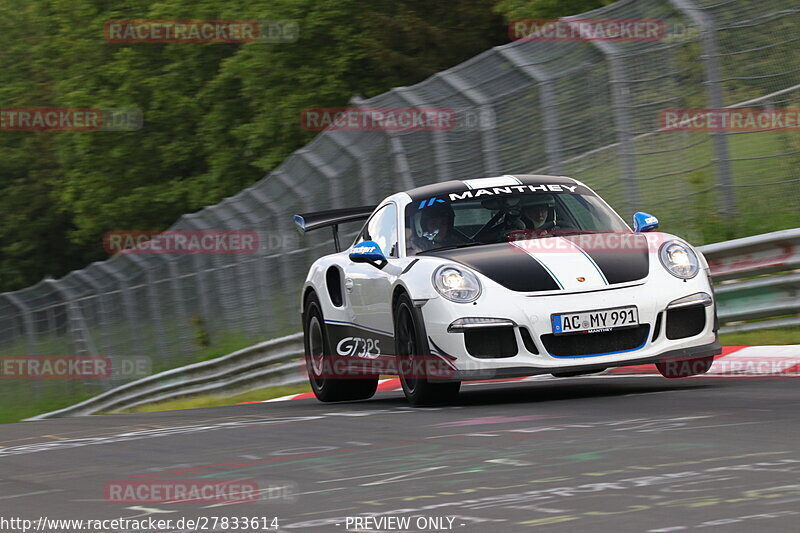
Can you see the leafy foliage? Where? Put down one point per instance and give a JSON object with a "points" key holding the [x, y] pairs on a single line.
{"points": [[216, 116]]}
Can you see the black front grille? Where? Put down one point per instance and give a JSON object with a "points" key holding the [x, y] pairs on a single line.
{"points": [[596, 343], [491, 343], [685, 322]]}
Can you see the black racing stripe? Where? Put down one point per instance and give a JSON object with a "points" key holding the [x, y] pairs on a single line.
{"points": [[506, 264], [620, 260]]}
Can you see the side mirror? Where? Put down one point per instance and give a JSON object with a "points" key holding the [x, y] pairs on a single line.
{"points": [[643, 222], [368, 252]]}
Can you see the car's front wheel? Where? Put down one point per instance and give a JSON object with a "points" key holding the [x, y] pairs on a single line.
{"points": [[683, 368], [412, 353], [328, 387]]}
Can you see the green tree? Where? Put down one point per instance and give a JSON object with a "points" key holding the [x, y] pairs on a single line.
{"points": [[216, 116]]}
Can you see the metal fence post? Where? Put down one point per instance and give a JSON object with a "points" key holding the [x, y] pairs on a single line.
{"points": [[620, 98], [239, 264], [398, 153], [155, 307], [491, 165], [27, 321], [127, 304], [715, 98], [362, 162], [287, 181], [77, 330], [326, 170], [30, 334], [183, 318], [284, 273], [443, 170], [548, 103], [199, 222], [401, 161]]}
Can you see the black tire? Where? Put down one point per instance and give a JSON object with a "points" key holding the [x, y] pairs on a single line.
{"points": [[410, 342], [328, 389], [683, 368]]}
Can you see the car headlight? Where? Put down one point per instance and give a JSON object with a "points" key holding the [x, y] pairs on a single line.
{"points": [[456, 284], [679, 259]]}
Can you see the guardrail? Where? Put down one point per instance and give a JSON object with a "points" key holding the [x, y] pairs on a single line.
{"points": [[754, 280], [736, 265], [271, 363]]}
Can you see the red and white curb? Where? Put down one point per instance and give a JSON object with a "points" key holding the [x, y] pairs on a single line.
{"points": [[733, 362]]}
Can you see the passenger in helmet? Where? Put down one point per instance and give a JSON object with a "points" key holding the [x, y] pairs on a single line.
{"points": [[540, 214]]}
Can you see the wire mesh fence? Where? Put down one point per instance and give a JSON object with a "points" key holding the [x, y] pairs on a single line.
{"points": [[588, 109]]}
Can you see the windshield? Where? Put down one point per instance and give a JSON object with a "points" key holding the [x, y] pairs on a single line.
{"points": [[503, 218]]}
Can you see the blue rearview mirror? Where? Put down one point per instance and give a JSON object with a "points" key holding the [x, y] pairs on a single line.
{"points": [[368, 252], [643, 222]]}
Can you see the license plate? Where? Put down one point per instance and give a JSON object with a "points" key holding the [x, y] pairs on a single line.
{"points": [[595, 321]]}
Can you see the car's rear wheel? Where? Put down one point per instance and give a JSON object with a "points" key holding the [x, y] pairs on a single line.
{"points": [[412, 351], [328, 387], [683, 368]]}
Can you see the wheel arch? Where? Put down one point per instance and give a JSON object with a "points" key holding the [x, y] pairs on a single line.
{"points": [[308, 290], [398, 290]]}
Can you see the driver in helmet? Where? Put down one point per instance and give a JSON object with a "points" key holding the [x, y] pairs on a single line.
{"points": [[437, 227]]}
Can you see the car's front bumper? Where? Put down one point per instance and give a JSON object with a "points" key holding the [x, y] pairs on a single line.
{"points": [[533, 312], [514, 372]]}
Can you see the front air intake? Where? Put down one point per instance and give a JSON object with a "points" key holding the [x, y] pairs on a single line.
{"points": [[685, 322], [592, 344], [491, 343]]}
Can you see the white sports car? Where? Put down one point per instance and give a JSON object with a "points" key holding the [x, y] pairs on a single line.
{"points": [[499, 277]]}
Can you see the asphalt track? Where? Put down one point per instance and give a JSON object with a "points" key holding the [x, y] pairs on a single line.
{"points": [[610, 453]]}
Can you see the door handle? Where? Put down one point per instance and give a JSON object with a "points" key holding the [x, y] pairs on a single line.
{"points": [[348, 284]]}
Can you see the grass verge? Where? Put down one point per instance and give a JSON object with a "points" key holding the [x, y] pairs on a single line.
{"points": [[765, 337], [197, 402]]}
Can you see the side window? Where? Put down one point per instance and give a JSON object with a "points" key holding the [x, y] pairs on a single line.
{"points": [[382, 228]]}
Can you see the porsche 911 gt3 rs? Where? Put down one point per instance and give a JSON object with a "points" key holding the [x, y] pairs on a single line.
{"points": [[499, 277]]}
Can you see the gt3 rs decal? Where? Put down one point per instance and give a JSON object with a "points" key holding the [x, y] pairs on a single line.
{"points": [[351, 340], [358, 346]]}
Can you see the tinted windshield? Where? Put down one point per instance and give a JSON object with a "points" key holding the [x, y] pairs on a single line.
{"points": [[492, 219]]}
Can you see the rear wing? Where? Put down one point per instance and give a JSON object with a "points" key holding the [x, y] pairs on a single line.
{"points": [[332, 218]]}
